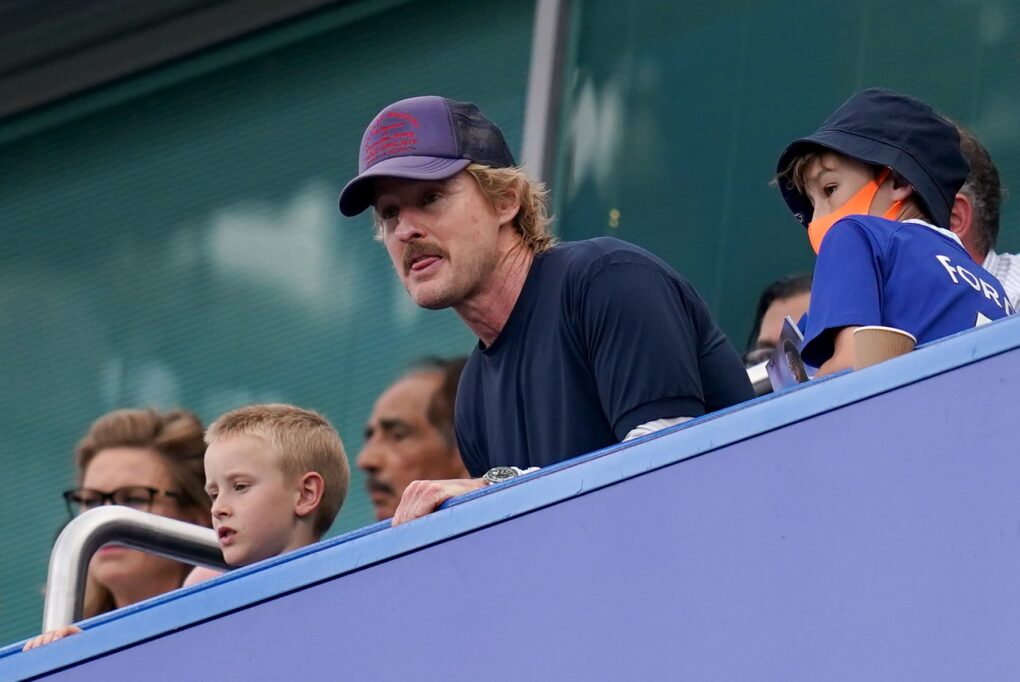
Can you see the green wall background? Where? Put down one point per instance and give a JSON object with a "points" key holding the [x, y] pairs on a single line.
{"points": [[179, 244], [677, 112], [174, 239]]}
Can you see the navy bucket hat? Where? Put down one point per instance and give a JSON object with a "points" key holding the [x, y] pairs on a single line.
{"points": [[423, 138], [884, 128]]}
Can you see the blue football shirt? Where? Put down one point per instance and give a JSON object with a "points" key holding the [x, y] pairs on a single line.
{"points": [[908, 275]]}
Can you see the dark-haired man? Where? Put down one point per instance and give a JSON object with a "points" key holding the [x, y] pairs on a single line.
{"points": [[409, 435], [786, 297], [975, 216]]}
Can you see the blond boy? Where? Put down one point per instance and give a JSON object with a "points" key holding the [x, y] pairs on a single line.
{"points": [[277, 476]]}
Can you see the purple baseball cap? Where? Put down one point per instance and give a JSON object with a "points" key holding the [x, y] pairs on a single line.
{"points": [[423, 138]]}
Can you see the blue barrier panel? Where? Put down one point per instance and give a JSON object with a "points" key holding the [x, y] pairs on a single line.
{"points": [[864, 527]]}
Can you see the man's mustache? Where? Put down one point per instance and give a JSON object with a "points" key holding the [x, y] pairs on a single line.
{"points": [[416, 249], [374, 485]]}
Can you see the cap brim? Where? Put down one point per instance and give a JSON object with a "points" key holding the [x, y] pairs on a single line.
{"points": [[357, 195], [863, 149]]}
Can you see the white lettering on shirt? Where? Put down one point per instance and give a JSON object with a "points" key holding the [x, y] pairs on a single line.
{"points": [[948, 266], [989, 291], [969, 278], [958, 272]]}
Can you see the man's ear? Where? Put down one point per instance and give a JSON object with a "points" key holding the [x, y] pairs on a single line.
{"points": [[962, 216], [309, 489], [508, 206]]}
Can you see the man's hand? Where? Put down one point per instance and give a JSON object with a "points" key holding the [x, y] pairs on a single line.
{"points": [[51, 636], [423, 497]]}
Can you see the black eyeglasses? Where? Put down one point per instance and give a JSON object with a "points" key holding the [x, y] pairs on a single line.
{"points": [[136, 496]]}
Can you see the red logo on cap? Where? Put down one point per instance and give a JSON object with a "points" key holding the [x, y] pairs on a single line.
{"points": [[392, 134]]}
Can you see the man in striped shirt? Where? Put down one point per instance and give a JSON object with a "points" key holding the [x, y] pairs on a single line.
{"points": [[975, 216]]}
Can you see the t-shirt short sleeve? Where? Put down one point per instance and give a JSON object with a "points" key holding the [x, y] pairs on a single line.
{"points": [[643, 344], [846, 290]]}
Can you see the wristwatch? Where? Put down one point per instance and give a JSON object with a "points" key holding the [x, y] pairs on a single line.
{"points": [[501, 474]]}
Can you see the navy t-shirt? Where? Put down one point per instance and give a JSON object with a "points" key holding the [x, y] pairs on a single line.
{"points": [[906, 275], [603, 338]]}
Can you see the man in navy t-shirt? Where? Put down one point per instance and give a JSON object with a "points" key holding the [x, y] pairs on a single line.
{"points": [[581, 345], [604, 338], [875, 186]]}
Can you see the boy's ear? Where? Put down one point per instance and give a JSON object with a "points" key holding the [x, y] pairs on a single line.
{"points": [[901, 189], [309, 488]]}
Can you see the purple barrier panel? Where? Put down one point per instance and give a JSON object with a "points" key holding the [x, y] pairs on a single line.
{"points": [[878, 540]]}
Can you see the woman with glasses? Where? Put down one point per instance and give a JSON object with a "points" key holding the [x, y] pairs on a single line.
{"points": [[150, 461]]}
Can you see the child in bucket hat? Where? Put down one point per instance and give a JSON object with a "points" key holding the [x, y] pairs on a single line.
{"points": [[874, 186]]}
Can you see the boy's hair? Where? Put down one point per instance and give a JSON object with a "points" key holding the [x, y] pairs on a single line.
{"points": [[793, 176], [304, 440]]}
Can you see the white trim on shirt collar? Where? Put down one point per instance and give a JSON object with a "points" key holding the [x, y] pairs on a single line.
{"points": [[941, 230]]}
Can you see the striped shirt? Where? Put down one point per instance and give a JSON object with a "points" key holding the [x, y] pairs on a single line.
{"points": [[1006, 266]]}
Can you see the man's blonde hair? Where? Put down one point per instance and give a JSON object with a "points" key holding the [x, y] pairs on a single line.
{"points": [[501, 184], [507, 184], [304, 440]]}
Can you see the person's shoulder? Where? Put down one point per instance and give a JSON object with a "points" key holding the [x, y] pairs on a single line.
{"points": [[853, 231], [591, 255], [870, 224], [927, 236]]}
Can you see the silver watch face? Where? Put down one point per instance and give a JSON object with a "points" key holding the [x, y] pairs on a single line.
{"points": [[500, 474]]}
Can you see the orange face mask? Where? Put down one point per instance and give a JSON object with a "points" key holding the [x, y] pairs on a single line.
{"points": [[858, 204]]}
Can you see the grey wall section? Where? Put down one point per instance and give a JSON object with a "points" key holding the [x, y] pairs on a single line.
{"points": [[175, 240], [676, 113], [58, 48], [873, 538]]}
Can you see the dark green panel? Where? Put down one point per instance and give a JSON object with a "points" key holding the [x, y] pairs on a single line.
{"points": [[175, 241], [676, 114]]}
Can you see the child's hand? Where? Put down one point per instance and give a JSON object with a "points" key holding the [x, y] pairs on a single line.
{"points": [[200, 574], [51, 636]]}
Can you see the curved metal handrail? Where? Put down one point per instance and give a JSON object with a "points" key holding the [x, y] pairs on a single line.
{"points": [[69, 561], [759, 377]]}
